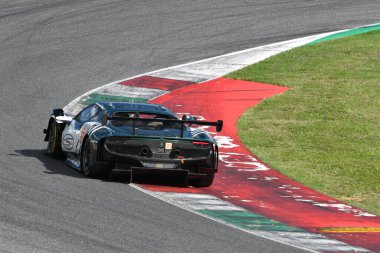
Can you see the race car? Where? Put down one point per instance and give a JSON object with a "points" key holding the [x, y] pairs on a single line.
{"points": [[134, 137]]}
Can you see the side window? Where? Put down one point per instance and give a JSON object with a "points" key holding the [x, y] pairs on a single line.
{"points": [[99, 116], [88, 113]]}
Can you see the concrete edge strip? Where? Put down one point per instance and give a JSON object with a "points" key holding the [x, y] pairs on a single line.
{"points": [[351, 32]]}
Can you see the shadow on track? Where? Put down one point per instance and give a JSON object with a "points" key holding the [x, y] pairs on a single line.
{"points": [[156, 179], [54, 166]]}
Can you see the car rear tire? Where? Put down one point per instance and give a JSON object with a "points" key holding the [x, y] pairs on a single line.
{"points": [[89, 168], [205, 181], [54, 148]]}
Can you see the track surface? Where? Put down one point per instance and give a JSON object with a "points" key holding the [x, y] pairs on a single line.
{"points": [[52, 51]]}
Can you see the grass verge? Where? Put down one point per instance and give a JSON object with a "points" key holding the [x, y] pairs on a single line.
{"points": [[325, 131]]}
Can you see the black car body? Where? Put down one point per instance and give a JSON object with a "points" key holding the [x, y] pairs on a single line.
{"points": [[139, 138]]}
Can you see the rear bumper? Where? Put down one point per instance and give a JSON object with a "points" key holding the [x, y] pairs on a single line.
{"points": [[132, 156], [155, 171]]}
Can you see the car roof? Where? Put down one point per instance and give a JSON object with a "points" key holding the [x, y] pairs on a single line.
{"points": [[112, 107]]}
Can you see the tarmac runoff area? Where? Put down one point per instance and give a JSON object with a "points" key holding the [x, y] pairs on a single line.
{"points": [[246, 193]]}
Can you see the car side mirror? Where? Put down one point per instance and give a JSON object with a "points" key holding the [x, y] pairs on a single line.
{"points": [[189, 118]]}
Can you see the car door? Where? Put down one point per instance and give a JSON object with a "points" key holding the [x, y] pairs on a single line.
{"points": [[72, 136]]}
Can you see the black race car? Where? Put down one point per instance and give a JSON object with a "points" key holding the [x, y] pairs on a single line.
{"points": [[139, 138]]}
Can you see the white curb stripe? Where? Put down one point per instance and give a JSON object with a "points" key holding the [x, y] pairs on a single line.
{"points": [[222, 65], [200, 201], [132, 91]]}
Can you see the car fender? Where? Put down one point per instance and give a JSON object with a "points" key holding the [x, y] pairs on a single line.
{"points": [[199, 133], [93, 131], [100, 132], [86, 130], [62, 122]]}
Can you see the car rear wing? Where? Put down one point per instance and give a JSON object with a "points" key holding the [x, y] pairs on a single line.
{"points": [[218, 124]]}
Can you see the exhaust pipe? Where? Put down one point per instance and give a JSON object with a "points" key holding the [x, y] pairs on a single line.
{"points": [[144, 150], [177, 152]]}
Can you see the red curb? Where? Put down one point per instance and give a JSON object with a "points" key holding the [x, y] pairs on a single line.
{"points": [[245, 181]]}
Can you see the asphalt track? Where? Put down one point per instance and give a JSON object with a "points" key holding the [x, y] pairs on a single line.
{"points": [[53, 51]]}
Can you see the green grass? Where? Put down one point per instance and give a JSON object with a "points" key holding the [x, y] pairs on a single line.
{"points": [[325, 131]]}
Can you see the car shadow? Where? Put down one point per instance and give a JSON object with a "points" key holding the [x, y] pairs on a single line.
{"points": [[52, 166], [58, 166], [146, 179]]}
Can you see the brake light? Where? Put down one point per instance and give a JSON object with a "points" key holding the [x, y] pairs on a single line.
{"points": [[200, 143]]}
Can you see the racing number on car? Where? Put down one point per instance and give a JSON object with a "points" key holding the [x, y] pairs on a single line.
{"points": [[68, 141]]}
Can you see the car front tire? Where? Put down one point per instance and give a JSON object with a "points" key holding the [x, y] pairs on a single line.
{"points": [[54, 148]]}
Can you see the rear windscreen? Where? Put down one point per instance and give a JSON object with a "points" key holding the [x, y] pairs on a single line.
{"points": [[148, 125]]}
